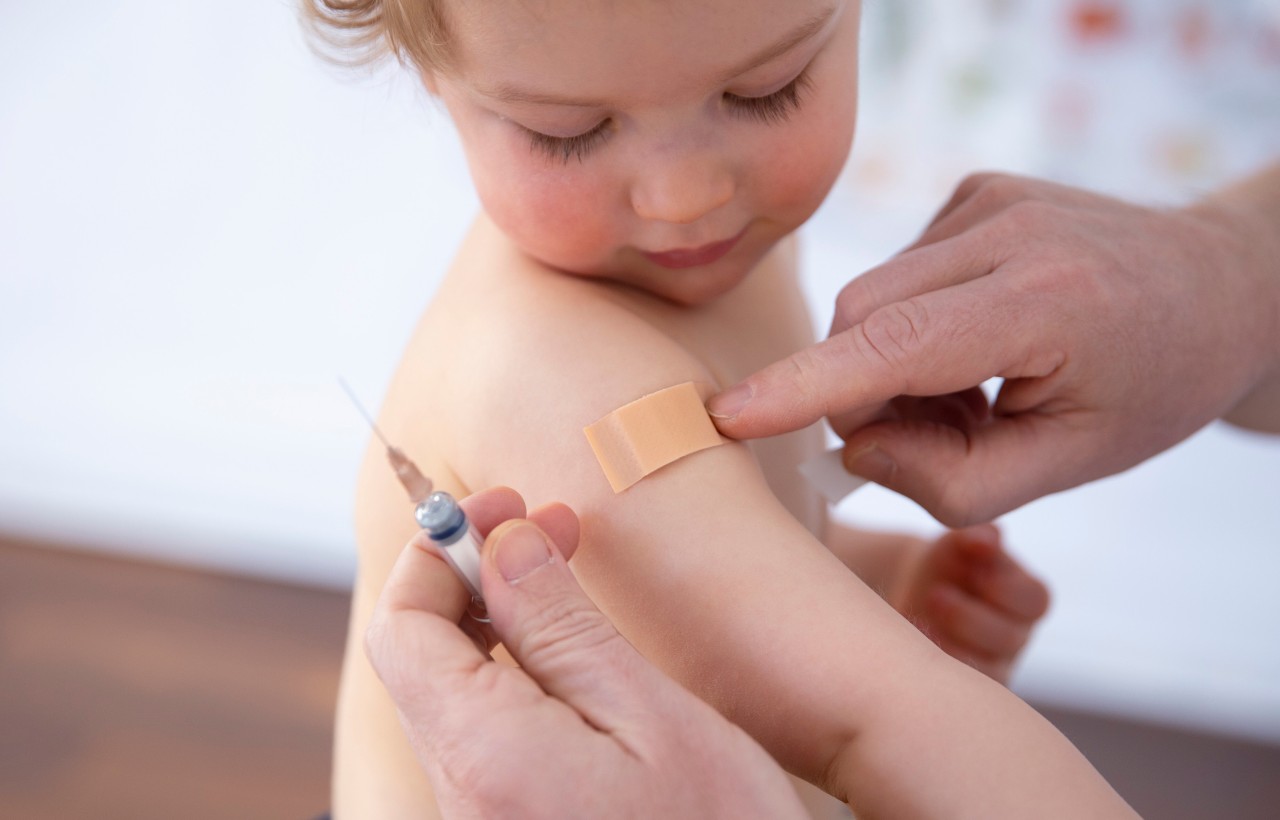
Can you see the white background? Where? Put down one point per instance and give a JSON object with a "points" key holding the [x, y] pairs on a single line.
{"points": [[201, 226]]}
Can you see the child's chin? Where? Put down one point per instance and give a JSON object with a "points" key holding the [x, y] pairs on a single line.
{"points": [[694, 288], [690, 287]]}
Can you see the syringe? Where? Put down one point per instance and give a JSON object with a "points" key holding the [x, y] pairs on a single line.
{"points": [[456, 541]]}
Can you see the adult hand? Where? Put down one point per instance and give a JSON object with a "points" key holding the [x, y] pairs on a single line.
{"points": [[1118, 330], [586, 727]]}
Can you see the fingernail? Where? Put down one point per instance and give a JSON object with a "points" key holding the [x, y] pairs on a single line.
{"points": [[520, 551], [871, 463], [729, 403]]}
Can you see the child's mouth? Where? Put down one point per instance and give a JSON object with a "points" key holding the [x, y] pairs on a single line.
{"points": [[693, 257]]}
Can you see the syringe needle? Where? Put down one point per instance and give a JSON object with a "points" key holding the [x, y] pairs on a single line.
{"points": [[411, 478], [360, 407]]}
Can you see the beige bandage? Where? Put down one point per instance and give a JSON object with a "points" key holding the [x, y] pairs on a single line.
{"points": [[650, 433]]}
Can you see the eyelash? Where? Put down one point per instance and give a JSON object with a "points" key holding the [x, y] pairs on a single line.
{"points": [[776, 107], [771, 109], [562, 148]]}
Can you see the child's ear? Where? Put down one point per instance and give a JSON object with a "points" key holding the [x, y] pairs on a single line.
{"points": [[430, 82]]}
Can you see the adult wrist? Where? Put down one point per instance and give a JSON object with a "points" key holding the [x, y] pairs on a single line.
{"points": [[1248, 217]]}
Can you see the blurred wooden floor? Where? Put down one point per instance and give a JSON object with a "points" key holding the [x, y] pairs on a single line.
{"points": [[129, 690], [135, 691]]}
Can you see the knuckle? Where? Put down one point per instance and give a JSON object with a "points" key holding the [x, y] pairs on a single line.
{"points": [[999, 191], [953, 505], [896, 332], [853, 302], [1087, 277], [1025, 218], [566, 628], [486, 682], [972, 183]]}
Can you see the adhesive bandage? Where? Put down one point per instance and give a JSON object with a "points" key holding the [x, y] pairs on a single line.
{"points": [[650, 433]]}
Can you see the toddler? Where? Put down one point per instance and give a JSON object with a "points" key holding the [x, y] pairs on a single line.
{"points": [[642, 167]]}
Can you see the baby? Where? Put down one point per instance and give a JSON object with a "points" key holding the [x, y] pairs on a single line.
{"points": [[642, 168]]}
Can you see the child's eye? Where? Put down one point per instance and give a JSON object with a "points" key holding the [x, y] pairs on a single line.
{"points": [[562, 148], [775, 107]]}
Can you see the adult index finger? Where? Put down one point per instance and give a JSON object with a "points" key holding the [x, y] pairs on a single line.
{"points": [[941, 342], [413, 641]]}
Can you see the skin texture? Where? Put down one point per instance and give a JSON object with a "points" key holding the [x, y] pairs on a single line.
{"points": [[585, 705], [1097, 314]]}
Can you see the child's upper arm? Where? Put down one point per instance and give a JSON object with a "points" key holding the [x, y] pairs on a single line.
{"points": [[699, 564]]}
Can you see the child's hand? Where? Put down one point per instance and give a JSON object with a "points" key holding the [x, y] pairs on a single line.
{"points": [[972, 599]]}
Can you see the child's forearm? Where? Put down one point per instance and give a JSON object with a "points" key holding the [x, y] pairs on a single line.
{"points": [[757, 618], [955, 711], [953, 744], [748, 611]]}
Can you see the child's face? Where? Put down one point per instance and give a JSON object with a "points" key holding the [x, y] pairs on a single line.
{"points": [[666, 144]]}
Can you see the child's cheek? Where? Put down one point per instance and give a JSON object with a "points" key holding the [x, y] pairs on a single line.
{"points": [[557, 215], [801, 174]]}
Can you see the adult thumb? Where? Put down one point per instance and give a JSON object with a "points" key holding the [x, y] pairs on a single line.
{"points": [[965, 478], [557, 634]]}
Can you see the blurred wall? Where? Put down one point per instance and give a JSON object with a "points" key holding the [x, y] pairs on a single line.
{"points": [[201, 226]]}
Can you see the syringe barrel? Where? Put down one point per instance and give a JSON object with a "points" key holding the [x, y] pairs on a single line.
{"points": [[454, 538]]}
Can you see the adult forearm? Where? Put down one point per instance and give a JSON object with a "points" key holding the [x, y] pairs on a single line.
{"points": [[1251, 210]]}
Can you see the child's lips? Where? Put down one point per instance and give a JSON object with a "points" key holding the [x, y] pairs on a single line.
{"points": [[693, 257]]}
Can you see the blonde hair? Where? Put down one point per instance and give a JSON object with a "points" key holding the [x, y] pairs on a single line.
{"points": [[363, 32]]}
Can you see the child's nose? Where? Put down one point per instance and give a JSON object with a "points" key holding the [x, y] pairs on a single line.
{"points": [[683, 189]]}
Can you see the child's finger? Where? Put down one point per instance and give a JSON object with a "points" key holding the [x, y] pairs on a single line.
{"points": [[985, 538], [974, 624], [1009, 587], [952, 557], [972, 546], [979, 548]]}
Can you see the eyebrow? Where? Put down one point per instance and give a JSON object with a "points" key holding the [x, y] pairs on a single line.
{"points": [[801, 34]]}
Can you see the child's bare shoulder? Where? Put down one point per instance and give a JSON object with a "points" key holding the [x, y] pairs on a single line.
{"points": [[537, 356]]}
